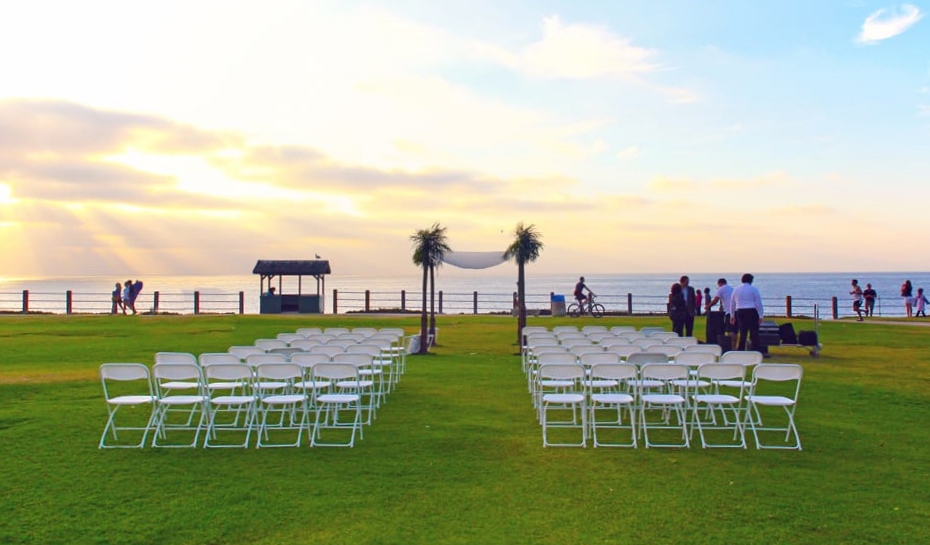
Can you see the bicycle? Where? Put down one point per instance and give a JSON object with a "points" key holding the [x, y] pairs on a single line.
{"points": [[594, 309]]}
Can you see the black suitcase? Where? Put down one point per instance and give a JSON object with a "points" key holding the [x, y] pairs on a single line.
{"points": [[725, 342], [715, 326], [787, 334], [807, 338]]}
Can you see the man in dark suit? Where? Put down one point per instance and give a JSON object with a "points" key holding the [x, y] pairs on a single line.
{"points": [[690, 304]]}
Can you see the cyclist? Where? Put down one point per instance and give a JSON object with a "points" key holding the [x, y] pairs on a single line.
{"points": [[580, 287]]}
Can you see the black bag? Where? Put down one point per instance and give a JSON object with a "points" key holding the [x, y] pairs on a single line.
{"points": [[807, 338], [725, 342], [787, 334]]}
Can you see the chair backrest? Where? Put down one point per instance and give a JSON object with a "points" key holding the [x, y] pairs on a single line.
{"points": [[399, 331], [175, 357], [743, 357], [668, 349], [663, 335], [320, 338], [643, 358], [358, 360], [215, 358], [694, 359], [242, 352], [607, 342], [350, 337], [598, 336], [709, 348], [303, 344], [286, 352], [530, 329], [306, 359], [268, 344], [334, 371], [582, 349], [681, 341], [177, 371], [564, 328], [561, 371], [777, 372], [335, 331], [624, 350], [556, 358], [367, 349], [614, 371], [622, 329], [364, 331], [289, 337], [651, 330], [228, 371], [664, 371], [279, 371], [124, 371], [328, 349], [573, 342], [307, 331], [255, 360], [599, 358], [593, 328], [721, 371]]}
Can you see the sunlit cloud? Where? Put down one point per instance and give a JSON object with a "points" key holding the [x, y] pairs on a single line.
{"points": [[888, 23], [629, 154]]}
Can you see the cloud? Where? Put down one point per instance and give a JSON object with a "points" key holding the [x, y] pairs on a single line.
{"points": [[577, 51], [629, 153], [883, 24], [774, 180]]}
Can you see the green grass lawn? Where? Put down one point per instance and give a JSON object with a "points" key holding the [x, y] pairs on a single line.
{"points": [[455, 456]]}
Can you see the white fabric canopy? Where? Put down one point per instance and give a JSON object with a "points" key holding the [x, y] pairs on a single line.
{"points": [[474, 260]]}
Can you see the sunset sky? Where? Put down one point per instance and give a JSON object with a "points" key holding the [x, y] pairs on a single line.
{"points": [[195, 137]]}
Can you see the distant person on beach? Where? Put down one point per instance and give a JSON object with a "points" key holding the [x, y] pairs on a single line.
{"points": [[117, 298], [270, 292], [907, 293], [869, 295], [746, 312], [690, 304], [698, 295], [856, 293], [580, 288], [707, 297], [127, 297], [677, 308], [920, 302]]}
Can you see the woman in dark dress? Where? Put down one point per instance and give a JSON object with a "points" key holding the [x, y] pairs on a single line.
{"points": [[677, 308]]}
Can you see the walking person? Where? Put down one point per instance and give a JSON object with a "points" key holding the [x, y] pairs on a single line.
{"points": [[856, 293], [690, 304], [117, 298], [746, 312], [677, 308], [920, 303], [869, 295], [907, 293]]}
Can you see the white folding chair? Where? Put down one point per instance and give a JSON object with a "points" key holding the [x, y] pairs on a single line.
{"points": [[728, 406], [708, 348], [365, 332], [231, 401], [367, 386], [303, 344], [243, 352], [562, 392], [683, 342], [286, 405], [774, 385], [331, 403], [616, 398], [664, 409], [169, 402], [126, 385]]}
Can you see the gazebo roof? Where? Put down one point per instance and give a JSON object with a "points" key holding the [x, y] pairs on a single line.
{"points": [[313, 267]]}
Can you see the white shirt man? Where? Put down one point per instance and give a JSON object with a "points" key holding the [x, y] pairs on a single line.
{"points": [[746, 311]]}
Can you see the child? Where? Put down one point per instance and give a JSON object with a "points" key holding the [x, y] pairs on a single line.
{"points": [[920, 303]]}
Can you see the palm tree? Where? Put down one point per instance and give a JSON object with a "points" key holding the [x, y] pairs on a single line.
{"points": [[429, 248], [526, 247]]}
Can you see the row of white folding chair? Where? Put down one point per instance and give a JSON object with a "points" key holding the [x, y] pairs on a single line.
{"points": [[669, 392], [250, 397]]}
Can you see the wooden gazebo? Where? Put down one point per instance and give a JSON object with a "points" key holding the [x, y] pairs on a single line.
{"points": [[278, 302]]}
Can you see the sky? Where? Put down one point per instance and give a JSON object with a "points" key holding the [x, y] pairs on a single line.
{"points": [[196, 137]]}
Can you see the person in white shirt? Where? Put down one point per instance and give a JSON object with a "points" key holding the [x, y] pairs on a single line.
{"points": [[746, 312]]}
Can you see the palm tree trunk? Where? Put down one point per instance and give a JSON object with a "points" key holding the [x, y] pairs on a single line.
{"points": [[423, 318], [521, 302], [432, 303]]}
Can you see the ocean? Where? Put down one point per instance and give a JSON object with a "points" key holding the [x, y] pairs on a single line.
{"points": [[220, 294]]}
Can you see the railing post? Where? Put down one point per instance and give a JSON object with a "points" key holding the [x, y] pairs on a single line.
{"points": [[474, 302], [403, 300], [241, 302], [155, 298], [629, 304], [440, 301], [25, 301], [335, 301], [788, 306], [836, 310], [196, 302], [69, 297], [367, 300]]}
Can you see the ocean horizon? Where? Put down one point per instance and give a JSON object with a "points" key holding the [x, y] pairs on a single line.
{"points": [[219, 293]]}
